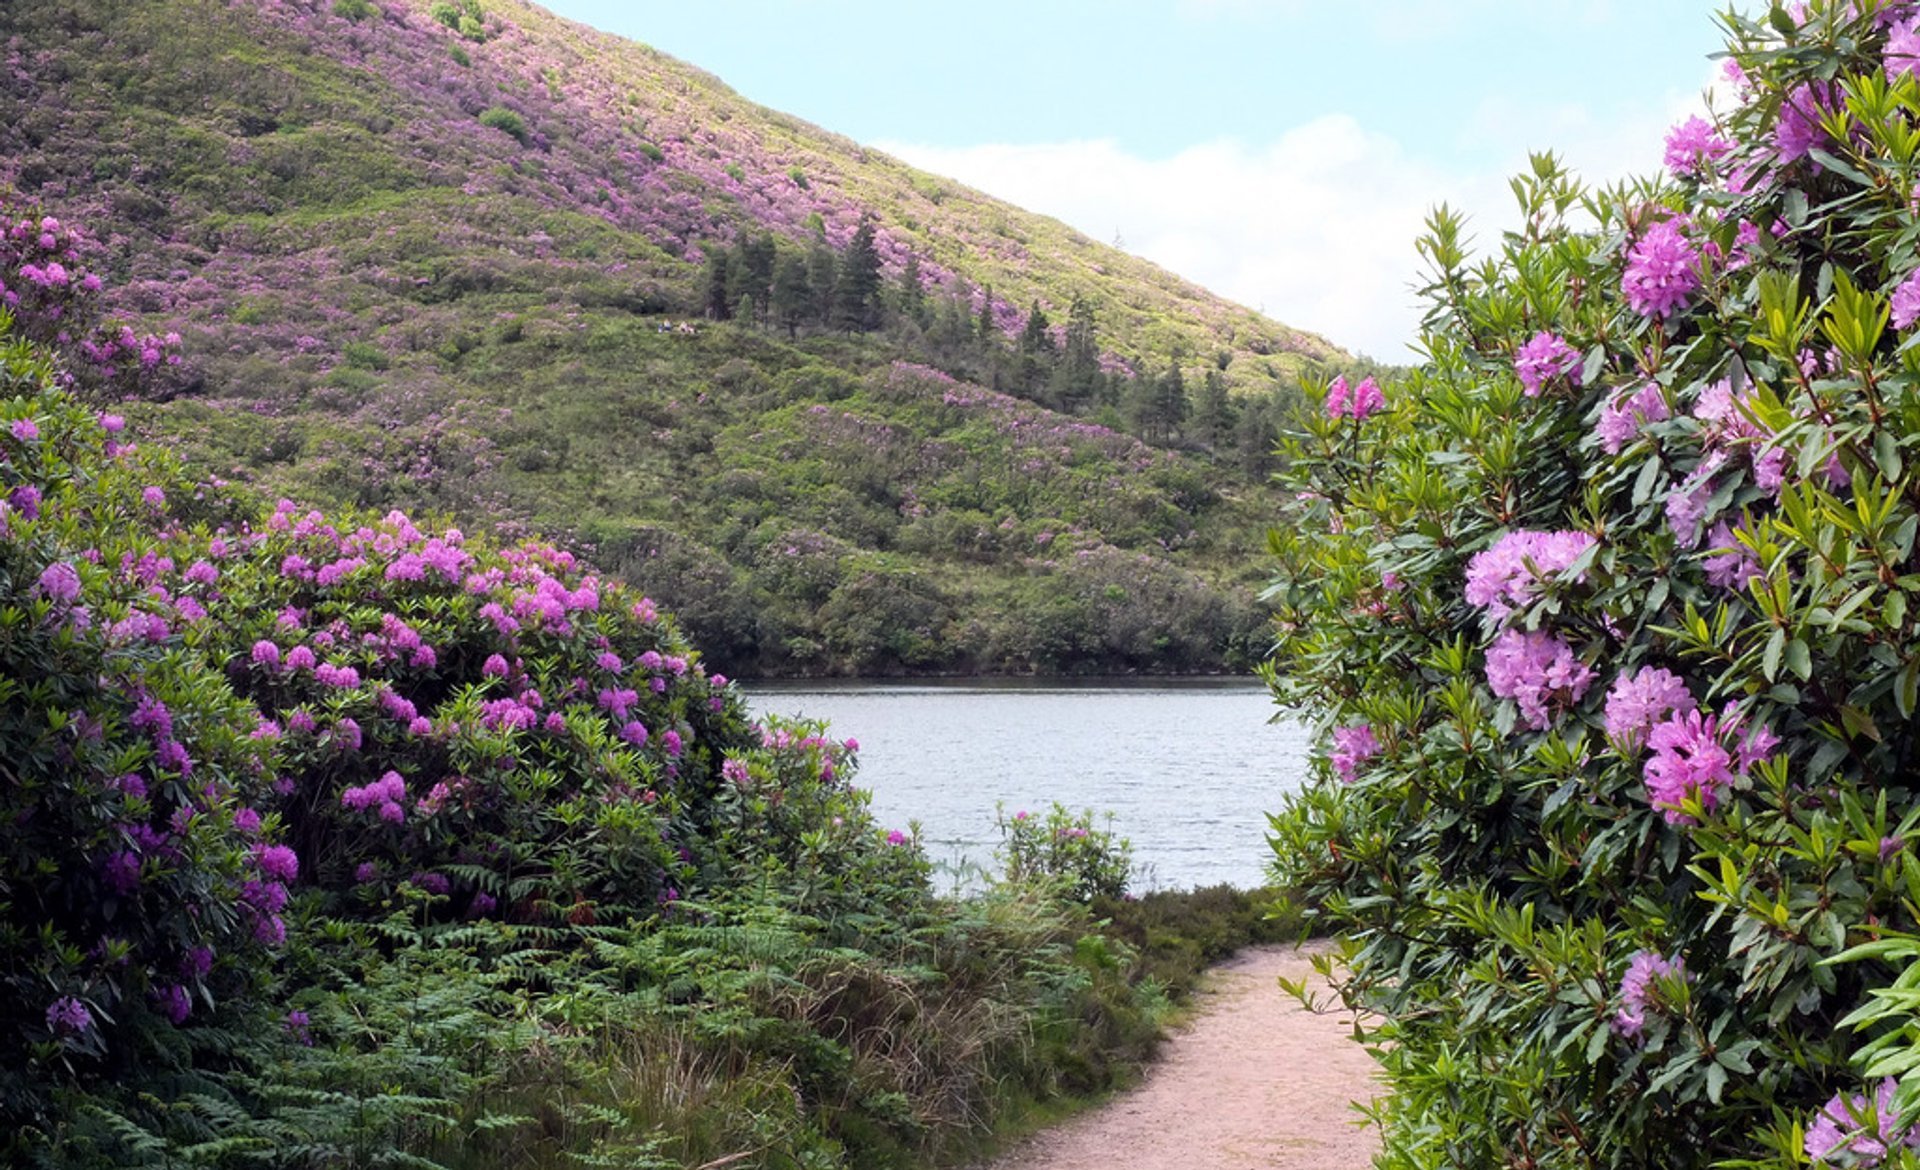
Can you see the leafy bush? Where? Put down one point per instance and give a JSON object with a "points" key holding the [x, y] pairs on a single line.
{"points": [[506, 121], [1609, 607], [1063, 850], [140, 881], [1178, 934]]}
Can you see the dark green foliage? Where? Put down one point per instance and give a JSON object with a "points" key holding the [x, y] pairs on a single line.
{"points": [[856, 288], [1180, 933], [506, 121]]}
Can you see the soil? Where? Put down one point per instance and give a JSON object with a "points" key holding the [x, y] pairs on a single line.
{"points": [[1254, 1080]]}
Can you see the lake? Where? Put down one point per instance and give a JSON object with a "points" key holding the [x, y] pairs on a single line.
{"points": [[1188, 768]]}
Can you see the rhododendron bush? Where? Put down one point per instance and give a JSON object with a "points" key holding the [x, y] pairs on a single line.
{"points": [[1609, 609]]}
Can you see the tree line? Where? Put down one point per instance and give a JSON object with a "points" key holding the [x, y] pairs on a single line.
{"points": [[765, 282]]}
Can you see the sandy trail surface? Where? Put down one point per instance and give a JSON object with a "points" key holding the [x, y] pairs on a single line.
{"points": [[1255, 1080]]}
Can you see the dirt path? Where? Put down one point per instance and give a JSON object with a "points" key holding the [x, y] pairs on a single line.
{"points": [[1255, 1081]]}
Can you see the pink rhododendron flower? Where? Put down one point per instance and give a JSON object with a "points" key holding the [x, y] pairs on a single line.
{"points": [[1902, 56], [1538, 672], [1846, 1126], [1638, 991], [1906, 301], [1663, 271], [1507, 576], [59, 583], [1353, 745], [1638, 701], [1798, 133], [1543, 359], [1622, 419], [25, 430], [1694, 147], [1701, 755], [1732, 567]]}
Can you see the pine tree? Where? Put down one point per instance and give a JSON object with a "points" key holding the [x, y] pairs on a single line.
{"points": [[910, 298], [856, 294], [1076, 379], [1034, 355], [792, 296], [1213, 416], [757, 259], [1171, 407], [822, 271], [719, 284]]}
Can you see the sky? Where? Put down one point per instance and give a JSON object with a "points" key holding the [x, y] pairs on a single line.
{"points": [[1282, 153]]}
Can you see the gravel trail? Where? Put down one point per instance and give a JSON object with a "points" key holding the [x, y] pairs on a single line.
{"points": [[1255, 1080]]}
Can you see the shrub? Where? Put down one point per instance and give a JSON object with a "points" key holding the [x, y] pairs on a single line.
{"points": [[1065, 851], [506, 121], [354, 10], [140, 874], [1607, 605]]}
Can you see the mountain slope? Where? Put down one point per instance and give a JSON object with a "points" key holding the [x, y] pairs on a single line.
{"points": [[446, 257]]}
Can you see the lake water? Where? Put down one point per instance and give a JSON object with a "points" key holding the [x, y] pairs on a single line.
{"points": [[1189, 769]]}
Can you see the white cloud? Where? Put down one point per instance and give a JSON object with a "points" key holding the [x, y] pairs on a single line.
{"points": [[1315, 228]]}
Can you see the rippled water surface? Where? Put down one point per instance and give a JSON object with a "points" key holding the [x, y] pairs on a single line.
{"points": [[1188, 769]]}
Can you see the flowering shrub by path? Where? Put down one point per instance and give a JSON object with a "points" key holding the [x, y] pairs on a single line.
{"points": [[1610, 612]]}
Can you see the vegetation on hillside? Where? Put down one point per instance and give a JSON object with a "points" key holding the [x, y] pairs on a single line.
{"points": [[1608, 606], [499, 267]]}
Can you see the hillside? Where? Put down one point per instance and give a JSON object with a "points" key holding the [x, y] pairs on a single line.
{"points": [[449, 258]]}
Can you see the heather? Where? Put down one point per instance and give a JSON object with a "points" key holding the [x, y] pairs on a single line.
{"points": [[1607, 613], [342, 840], [511, 271]]}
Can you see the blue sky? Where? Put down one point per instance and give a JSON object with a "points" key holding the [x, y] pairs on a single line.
{"points": [[1280, 152]]}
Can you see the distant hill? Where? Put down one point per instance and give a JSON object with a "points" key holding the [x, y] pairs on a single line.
{"points": [[477, 259]]}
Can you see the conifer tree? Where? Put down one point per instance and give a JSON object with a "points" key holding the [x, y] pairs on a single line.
{"points": [[1076, 379], [1213, 415], [910, 298], [856, 291], [822, 272], [757, 258], [792, 295], [719, 298]]}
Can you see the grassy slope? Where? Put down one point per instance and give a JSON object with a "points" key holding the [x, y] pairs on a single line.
{"points": [[391, 303]]}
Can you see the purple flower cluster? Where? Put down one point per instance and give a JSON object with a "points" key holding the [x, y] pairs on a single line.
{"points": [[1639, 990], [1699, 755], [1544, 358], [1663, 271], [386, 794], [1906, 301], [1507, 576], [1695, 148], [1636, 702], [1356, 403], [1623, 418], [1538, 672], [1353, 745], [1847, 1126]]}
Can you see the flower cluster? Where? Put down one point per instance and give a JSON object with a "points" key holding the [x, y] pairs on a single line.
{"points": [[1508, 575], [1355, 403], [1544, 358], [1847, 1126], [1663, 271], [1639, 989], [1539, 672], [1353, 745]]}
